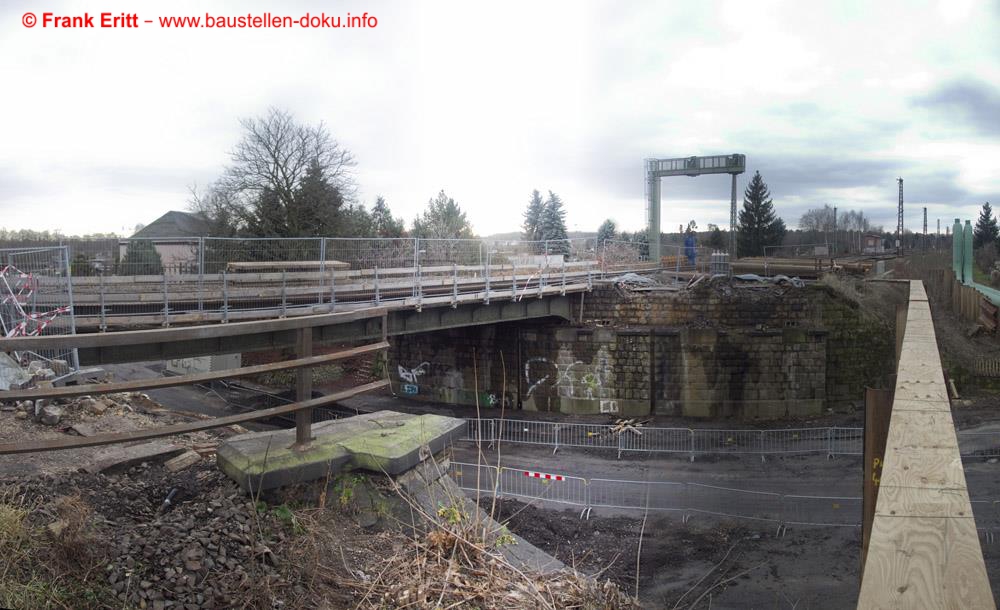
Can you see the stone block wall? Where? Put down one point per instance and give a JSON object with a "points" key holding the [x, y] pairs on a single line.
{"points": [[712, 352]]}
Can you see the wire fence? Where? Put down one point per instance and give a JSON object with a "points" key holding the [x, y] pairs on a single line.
{"points": [[36, 298], [830, 441], [683, 498], [190, 279]]}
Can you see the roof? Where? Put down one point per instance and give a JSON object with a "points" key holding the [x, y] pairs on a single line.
{"points": [[175, 224]]}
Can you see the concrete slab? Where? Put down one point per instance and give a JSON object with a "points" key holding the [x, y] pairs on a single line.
{"points": [[117, 458], [385, 441]]}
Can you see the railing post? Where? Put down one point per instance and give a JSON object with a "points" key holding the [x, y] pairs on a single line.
{"points": [[556, 447], [487, 299], [104, 319], [322, 269], [563, 291], [692, 443], [378, 295], [761, 435], [201, 273], [513, 284], [541, 276], [166, 302], [225, 296], [284, 299], [333, 289], [416, 263], [454, 285]]}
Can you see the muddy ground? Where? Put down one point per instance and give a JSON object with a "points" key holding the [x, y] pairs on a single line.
{"points": [[725, 564]]}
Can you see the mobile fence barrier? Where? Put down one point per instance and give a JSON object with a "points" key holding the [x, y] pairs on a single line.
{"points": [[685, 499], [829, 441], [682, 498]]}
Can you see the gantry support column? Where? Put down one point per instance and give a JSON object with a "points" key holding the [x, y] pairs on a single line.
{"points": [[653, 212], [732, 222]]}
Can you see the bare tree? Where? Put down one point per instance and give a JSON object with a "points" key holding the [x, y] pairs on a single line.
{"points": [[276, 171]]}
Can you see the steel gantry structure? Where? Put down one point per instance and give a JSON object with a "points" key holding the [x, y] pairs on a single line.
{"points": [[688, 166]]}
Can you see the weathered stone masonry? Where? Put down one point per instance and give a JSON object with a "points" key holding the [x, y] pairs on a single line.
{"points": [[708, 352]]}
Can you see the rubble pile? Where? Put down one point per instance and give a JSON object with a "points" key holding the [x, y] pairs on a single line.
{"points": [[190, 539]]}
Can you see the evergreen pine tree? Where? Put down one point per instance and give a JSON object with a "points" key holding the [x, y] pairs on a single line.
{"points": [[442, 219], [553, 225], [759, 226], [533, 217], [986, 230], [383, 222], [606, 231], [141, 258]]}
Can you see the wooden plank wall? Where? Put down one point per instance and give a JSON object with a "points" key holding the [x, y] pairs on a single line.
{"points": [[924, 550]]}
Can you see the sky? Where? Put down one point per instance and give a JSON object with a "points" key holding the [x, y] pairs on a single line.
{"points": [[103, 129]]}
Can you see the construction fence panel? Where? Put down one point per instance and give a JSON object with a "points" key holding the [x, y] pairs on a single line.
{"points": [[526, 432], [830, 441], [723, 501], [612, 493], [727, 441], [822, 510], [797, 440], [596, 436], [982, 444], [552, 488], [667, 440], [36, 298], [370, 270]]}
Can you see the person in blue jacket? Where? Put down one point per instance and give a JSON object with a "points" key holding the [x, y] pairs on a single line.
{"points": [[689, 247]]}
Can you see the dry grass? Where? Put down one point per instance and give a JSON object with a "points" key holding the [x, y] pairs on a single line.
{"points": [[49, 567]]}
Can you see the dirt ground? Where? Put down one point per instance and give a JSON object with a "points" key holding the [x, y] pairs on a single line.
{"points": [[703, 563]]}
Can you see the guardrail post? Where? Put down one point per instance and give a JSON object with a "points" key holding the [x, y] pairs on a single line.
{"points": [[303, 390], [487, 299], [416, 262], [378, 295], [322, 268], [225, 297], [454, 285], [620, 445], [333, 289], [692, 443], [513, 284], [829, 443], [201, 272], [556, 447], [104, 319], [563, 291], [541, 276], [284, 299], [761, 435], [166, 304]]}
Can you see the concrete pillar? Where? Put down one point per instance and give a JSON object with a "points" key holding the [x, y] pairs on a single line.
{"points": [[653, 209], [967, 254], [957, 249]]}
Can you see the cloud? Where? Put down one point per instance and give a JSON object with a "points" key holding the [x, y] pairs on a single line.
{"points": [[972, 101]]}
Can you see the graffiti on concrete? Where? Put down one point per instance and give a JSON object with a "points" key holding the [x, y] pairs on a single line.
{"points": [[412, 375], [571, 378]]}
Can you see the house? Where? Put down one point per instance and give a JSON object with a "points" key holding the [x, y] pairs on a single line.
{"points": [[175, 236], [873, 243]]}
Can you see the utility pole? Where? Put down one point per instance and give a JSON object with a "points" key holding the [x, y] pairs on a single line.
{"points": [[834, 251], [925, 229], [899, 220]]}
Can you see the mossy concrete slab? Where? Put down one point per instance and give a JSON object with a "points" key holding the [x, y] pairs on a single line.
{"points": [[384, 441]]}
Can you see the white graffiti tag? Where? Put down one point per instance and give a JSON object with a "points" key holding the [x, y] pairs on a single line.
{"points": [[410, 375], [571, 379]]}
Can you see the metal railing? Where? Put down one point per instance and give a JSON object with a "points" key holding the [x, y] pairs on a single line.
{"points": [[36, 298], [190, 279], [667, 496], [830, 441], [684, 498]]}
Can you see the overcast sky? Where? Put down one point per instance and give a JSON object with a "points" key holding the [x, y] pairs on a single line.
{"points": [[104, 129]]}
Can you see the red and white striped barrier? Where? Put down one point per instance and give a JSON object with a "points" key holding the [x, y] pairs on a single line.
{"points": [[543, 475]]}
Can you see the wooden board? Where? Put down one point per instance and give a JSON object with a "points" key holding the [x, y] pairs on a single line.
{"points": [[924, 550]]}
